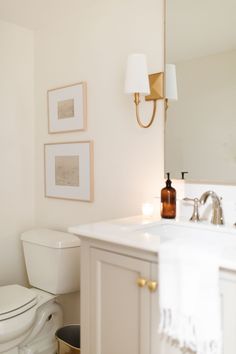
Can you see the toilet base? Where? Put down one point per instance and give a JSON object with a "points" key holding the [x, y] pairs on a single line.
{"points": [[49, 347], [42, 339], [12, 351]]}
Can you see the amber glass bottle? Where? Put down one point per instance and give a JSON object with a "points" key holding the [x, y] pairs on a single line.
{"points": [[168, 200]]}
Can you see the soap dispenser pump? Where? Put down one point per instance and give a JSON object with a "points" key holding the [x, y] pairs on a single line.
{"points": [[168, 200]]}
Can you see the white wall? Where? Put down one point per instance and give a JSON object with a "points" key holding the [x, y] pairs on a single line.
{"points": [[91, 43], [16, 147]]}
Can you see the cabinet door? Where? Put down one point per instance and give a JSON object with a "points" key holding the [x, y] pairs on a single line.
{"points": [[119, 309], [228, 301]]}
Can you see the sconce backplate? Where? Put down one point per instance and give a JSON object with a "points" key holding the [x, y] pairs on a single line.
{"points": [[156, 82]]}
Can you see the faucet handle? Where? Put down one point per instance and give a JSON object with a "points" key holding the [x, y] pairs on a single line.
{"points": [[195, 216]]}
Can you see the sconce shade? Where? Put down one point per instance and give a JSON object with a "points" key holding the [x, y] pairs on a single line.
{"points": [[136, 80], [171, 83]]}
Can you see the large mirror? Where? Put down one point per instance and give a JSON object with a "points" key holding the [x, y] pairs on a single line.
{"points": [[200, 130]]}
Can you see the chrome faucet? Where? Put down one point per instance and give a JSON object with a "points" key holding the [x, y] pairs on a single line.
{"points": [[217, 213]]}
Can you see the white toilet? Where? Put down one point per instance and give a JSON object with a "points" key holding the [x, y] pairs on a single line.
{"points": [[29, 318]]}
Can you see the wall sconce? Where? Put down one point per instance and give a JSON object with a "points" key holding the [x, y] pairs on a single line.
{"points": [[139, 82], [171, 92]]}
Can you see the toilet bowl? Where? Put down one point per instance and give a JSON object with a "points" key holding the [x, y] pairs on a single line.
{"points": [[25, 316], [29, 318]]}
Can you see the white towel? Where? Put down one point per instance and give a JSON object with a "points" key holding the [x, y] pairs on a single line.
{"points": [[189, 295]]}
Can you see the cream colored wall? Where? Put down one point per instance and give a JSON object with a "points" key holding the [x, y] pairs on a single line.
{"points": [[200, 134], [16, 147], [91, 42]]}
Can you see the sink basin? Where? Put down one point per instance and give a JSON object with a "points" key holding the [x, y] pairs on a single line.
{"points": [[220, 238], [199, 231]]}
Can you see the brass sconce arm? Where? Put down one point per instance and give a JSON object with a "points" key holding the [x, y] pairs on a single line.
{"points": [[156, 82], [137, 101]]}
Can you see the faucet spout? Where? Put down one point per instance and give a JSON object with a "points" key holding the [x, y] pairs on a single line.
{"points": [[217, 212]]}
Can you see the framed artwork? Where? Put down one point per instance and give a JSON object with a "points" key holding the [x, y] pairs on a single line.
{"points": [[67, 108], [69, 170]]}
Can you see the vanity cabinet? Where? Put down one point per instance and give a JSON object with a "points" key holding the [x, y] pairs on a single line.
{"points": [[119, 313], [119, 302]]}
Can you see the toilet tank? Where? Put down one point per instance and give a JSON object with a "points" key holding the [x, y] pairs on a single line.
{"points": [[52, 260]]}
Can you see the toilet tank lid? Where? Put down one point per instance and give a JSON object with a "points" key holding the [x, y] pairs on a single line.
{"points": [[50, 238]]}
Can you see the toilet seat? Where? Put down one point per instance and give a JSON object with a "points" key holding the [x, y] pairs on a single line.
{"points": [[14, 300]]}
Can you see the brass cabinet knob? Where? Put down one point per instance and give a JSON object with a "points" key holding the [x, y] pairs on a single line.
{"points": [[141, 282], [152, 285]]}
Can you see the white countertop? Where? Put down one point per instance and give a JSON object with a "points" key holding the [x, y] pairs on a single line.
{"points": [[142, 233]]}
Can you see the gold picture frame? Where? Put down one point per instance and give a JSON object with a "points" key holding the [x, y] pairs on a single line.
{"points": [[68, 170], [67, 108]]}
